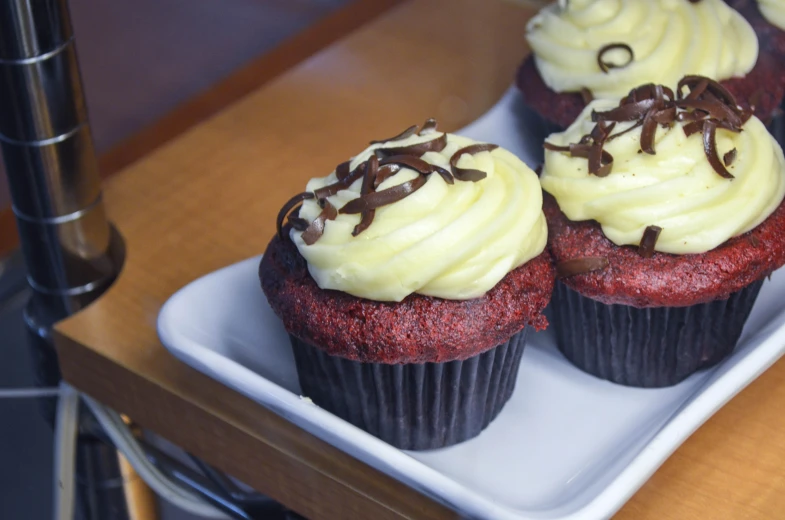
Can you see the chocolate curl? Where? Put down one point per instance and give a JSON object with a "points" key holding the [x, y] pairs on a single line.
{"points": [[400, 137], [468, 174], [436, 145], [447, 176], [409, 161], [586, 95], [430, 126], [696, 82], [630, 112], [606, 66], [378, 199], [706, 107], [649, 241], [287, 208], [729, 157], [590, 147], [299, 224], [710, 149], [384, 173], [366, 218], [342, 170], [316, 229], [714, 110], [345, 180], [583, 265]]}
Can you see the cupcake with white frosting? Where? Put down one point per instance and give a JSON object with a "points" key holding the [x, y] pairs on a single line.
{"points": [[408, 279], [665, 216], [600, 49]]}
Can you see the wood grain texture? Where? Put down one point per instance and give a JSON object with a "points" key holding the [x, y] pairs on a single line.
{"points": [[208, 199]]}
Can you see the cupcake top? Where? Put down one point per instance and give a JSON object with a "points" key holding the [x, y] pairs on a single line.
{"points": [[612, 46], [774, 12], [671, 172], [424, 212]]}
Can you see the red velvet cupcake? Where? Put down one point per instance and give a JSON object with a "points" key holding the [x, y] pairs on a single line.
{"points": [[586, 49], [665, 216], [408, 281]]}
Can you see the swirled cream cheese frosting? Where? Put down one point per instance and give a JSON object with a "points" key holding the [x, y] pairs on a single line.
{"points": [[774, 12], [429, 233], [667, 38], [670, 166]]}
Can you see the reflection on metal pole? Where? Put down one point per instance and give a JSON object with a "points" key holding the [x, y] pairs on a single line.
{"points": [[71, 251]]}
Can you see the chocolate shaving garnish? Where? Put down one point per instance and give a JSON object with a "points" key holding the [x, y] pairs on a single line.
{"points": [[754, 241], [619, 134], [693, 128], [600, 161], [342, 170], [383, 198], [590, 147], [342, 184], [586, 95], [712, 86], [714, 110], [429, 127], [287, 208], [367, 216], [647, 133], [583, 265], [447, 176], [710, 148], [648, 241], [468, 174], [729, 157], [299, 224], [384, 173], [381, 165], [554, 147], [436, 145], [316, 229], [607, 66], [705, 107], [415, 163], [400, 137], [632, 111]]}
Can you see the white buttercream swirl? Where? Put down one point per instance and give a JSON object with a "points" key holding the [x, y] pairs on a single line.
{"points": [[675, 189], [448, 241], [774, 12], [670, 39]]}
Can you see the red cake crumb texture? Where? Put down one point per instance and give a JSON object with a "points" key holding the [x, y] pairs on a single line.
{"points": [[417, 330], [763, 87], [664, 280]]}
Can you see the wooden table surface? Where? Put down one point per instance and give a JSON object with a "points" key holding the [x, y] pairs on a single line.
{"points": [[209, 198]]}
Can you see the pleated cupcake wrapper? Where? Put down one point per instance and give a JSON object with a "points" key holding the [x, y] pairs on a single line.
{"points": [[413, 406], [650, 347]]}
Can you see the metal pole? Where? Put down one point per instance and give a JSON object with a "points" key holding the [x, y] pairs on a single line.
{"points": [[71, 251]]}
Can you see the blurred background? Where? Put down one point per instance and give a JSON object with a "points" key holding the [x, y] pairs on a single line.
{"points": [[140, 60]]}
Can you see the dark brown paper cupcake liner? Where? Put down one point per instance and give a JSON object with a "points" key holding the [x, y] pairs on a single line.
{"points": [[649, 347], [414, 406], [535, 128]]}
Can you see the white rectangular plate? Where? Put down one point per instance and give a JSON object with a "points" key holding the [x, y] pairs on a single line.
{"points": [[566, 446]]}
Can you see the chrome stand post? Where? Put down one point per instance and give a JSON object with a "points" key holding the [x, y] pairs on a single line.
{"points": [[71, 252]]}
